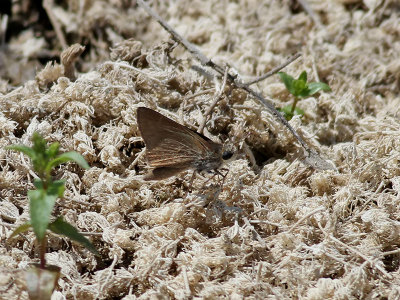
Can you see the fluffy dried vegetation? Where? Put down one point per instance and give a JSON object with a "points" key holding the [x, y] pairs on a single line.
{"points": [[277, 229]]}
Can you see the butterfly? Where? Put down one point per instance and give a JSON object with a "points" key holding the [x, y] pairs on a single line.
{"points": [[172, 148]]}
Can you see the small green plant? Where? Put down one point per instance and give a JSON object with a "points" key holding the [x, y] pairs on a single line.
{"points": [[42, 199], [299, 88]]}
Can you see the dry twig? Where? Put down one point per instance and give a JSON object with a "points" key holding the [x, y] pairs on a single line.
{"points": [[47, 5], [274, 70], [310, 12], [68, 58], [212, 105], [3, 29], [304, 218]]}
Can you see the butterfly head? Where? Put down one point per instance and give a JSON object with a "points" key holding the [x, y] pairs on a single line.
{"points": [[228, 151]]}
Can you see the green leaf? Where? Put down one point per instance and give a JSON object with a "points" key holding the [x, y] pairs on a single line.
{"points": [[288, 81], [286, 109], [41, 205], [24, 149], [298, 111], [69, 156], [287, 112], [59, 226], [20, 229], [40, 148], [300, 88], [56, 188], [53, 150], [315, 87], [39, 143], [303, 77], [38, 183]]}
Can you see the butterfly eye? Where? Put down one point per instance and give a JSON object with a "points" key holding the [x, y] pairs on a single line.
{"points": [[227, 155]]}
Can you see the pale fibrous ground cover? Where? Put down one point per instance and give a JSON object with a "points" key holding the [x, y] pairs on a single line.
{"points": [[277, 228]]}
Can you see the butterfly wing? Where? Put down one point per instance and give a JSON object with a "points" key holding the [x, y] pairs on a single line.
{"points": [[162, 173], [169, 143]]}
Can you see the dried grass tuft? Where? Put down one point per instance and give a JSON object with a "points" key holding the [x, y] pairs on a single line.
{"points": [[276, 228]]}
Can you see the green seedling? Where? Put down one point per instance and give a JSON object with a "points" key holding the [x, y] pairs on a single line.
{"points": [[42, 199], [299, 88]]}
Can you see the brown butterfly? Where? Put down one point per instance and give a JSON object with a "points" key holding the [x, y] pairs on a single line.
{"points": [[172, 148]]}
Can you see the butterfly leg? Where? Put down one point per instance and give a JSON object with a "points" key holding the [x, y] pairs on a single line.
{"points": [[215, 173], [218, 172], [190, 183]]}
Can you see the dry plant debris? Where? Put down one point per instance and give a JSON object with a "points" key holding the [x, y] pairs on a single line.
{"points": [[276, 229]]}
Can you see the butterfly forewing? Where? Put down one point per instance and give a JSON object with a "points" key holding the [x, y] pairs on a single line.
{"points": [[169, 143], [172, 152], [155, 128], [171, 147]]}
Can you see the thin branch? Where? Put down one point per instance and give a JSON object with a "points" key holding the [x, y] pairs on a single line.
{"points": [[3, 29], [212, 105], [383, 254], [259, 272], [304, 218], [339, 260], [107, 280], [123, 65], [314, 65], [265, 222], [47, 5], [250, 155], [274, 70], [135, 161], [185, 100], [199, 94], [258, 237], [272, 109], [204, 60], [70, 199], [310, 12], [68, 58], [186, 281]]}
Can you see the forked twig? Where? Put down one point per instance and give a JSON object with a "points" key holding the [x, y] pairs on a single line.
{"points": [[310, 12], [204, 60], [274, 70], [47, 5], [135, 161], [249, 154], [186, 281], [212, 105], [304, 218], [312, 158], [109, 275], [3, 29]]}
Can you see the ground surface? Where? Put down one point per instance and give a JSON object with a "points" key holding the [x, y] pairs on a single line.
{"points": [[277, 229]]}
